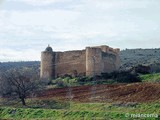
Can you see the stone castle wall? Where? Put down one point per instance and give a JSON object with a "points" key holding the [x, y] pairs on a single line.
{"points": [[70, 62], [91, 61]]}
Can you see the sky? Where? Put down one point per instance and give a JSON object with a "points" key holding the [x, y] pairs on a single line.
{"points": [[28, 26]]}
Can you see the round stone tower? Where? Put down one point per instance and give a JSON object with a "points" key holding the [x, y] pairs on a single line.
{"points": [[47, 64]]}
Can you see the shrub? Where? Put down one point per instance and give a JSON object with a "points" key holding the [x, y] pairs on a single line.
{"points": [[84, 79], [127, 77], [141, 69], [60, 83], [122, 76], [64, 82]]}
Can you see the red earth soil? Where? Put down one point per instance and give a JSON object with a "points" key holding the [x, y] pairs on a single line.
{"points": [[136, 92]]}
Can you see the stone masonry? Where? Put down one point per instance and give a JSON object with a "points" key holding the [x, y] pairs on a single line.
{"points": [[90, 61]]}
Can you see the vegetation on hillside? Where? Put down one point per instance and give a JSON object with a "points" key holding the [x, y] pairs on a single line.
{"points": [[105, 78], [4, 66], [133, 57]]}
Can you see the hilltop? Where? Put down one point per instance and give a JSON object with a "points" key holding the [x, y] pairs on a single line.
{"points": [[8, 65], [133, 57]]}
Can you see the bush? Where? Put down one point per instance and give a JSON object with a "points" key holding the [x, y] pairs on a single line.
{"points": [[141, 69], [60, 83], [109, 78], [126, 77], [84, 79], [64, 82], [122, 77]]}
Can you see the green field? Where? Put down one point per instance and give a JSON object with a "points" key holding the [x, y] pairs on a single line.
{"points": [[83, 111]]}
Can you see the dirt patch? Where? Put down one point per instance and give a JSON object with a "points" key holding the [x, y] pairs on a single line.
{"points": [[137, 92]]}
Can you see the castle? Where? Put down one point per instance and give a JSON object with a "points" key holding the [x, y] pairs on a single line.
{"points": [[90, 61]]}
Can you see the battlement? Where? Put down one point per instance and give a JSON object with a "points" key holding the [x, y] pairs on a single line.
{"points": [[107, 49]]}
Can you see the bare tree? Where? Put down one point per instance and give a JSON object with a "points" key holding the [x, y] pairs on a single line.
{"points": [[19, 83]]}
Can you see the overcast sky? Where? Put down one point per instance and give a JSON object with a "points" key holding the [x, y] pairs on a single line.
{"points": [[28, 26]]}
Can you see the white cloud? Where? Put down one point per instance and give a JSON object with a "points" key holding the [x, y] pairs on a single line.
{"points": [[89, 22], [8, 54], [1, 1], [43, 17], [40, 2], [4, 17], [120, 4]]}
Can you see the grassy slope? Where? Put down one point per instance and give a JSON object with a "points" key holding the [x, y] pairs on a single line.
{"points": [[150, 77], [80, 111]]}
